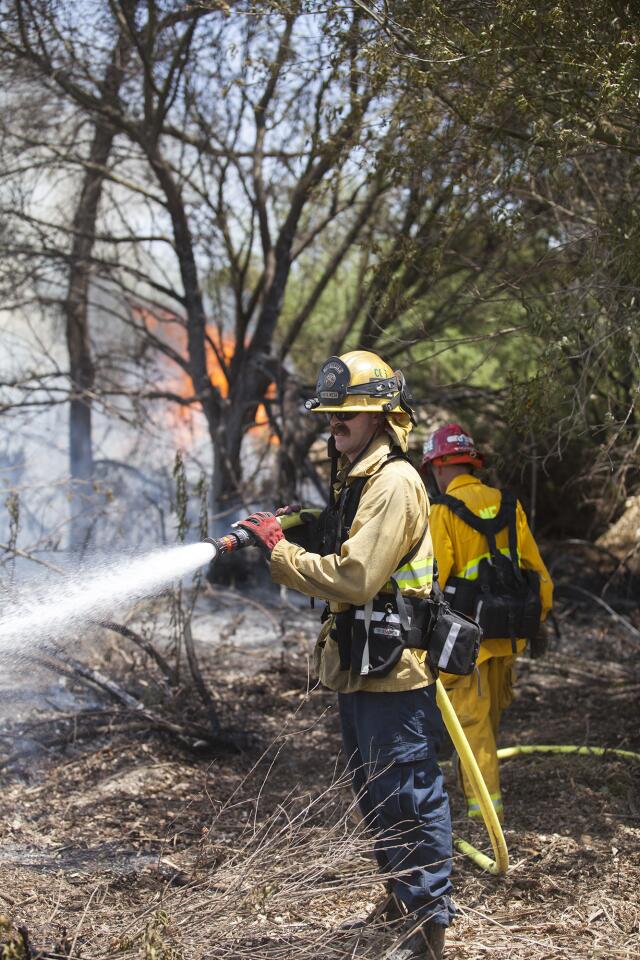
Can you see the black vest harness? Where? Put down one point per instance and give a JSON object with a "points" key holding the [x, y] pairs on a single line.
{"points": [[347, 504]]}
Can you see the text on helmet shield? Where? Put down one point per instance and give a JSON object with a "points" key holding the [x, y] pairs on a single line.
{"points": [[333, 380]]}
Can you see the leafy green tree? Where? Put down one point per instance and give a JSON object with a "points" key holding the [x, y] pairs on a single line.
{"points": [[552, 97]]}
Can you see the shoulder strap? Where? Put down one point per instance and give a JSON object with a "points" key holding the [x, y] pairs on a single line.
{"points": [[488, 526], [350, 498], [513, 532]]}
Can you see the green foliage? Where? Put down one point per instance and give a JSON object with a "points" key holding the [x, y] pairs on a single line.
{"points": [[152, 941], [153, 946], [541, 111]]}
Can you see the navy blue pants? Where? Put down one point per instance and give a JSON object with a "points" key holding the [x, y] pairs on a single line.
{"points": [[392, 742]]}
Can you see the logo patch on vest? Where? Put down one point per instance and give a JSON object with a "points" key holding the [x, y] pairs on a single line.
{"points": [[386, 631]]}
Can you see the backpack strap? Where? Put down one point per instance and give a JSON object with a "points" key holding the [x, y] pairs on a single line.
{"points": [[513, 534], [488, 526], [349, 500]]}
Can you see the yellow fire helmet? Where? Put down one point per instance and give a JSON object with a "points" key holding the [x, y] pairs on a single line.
{"points": [[361, 382]]}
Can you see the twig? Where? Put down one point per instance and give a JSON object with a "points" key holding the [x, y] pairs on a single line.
{"points": [[198, 680], [29, 556], [578, 542], [605, 606], [82, 919], [623, 563]]}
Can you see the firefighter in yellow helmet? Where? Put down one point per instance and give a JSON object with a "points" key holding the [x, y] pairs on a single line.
{"points": [[490, 568], [379, 547]]}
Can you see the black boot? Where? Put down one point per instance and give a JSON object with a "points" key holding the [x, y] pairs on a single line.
{"points": [[419, 941], [387, 911]]}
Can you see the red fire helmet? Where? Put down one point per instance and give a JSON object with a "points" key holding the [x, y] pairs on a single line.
{"points": [[450, 444]]}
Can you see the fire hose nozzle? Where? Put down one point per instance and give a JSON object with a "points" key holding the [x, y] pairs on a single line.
{"points": [[239, 538], [230, 542]]}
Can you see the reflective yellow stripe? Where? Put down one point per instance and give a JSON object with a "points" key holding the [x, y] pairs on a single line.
{"points": [[414, 575], [473, 806], [470, 571]]}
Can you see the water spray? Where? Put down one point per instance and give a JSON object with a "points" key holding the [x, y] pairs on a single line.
{"points": [[50, 610]]}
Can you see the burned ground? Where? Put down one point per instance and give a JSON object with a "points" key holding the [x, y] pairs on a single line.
{"points": [[126, 844]]}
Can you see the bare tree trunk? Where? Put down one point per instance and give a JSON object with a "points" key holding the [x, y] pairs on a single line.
{"points": [[296, 434], [81, 366], [208, 395]]}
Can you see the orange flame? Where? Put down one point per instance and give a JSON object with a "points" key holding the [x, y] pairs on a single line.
{"points": [[219, 350]]}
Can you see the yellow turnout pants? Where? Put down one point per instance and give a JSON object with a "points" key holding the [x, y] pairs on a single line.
{"points": [[478, 701]]}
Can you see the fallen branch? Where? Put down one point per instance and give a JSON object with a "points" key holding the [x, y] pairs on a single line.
{"points": [[618, 618], [98, 679], [188, 732]]}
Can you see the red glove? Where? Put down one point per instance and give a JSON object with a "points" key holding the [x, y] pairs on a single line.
{"points": [[263, 528], [290, 508]]}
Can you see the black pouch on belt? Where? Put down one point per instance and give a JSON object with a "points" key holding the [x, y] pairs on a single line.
{"points": [[378, 638], [342, 632], [454, 641], [385, 627]]}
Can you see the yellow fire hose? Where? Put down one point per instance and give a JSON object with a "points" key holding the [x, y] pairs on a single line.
{"points": [[489, 815], [500, 864], [289, 520], [505, 753]]}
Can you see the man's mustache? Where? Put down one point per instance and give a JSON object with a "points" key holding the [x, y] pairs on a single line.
{"points": [[339, 428]]}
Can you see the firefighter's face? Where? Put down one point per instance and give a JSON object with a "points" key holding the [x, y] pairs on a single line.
{"points": [[353, 435]]}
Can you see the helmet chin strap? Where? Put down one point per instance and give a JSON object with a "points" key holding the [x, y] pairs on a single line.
{"points": [[332, 451]]}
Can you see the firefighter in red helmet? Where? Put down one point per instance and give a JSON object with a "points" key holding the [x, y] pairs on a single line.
{"points": [[489, 567]]}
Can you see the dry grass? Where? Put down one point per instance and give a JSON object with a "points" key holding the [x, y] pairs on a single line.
{"points": [[131, 849]]}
